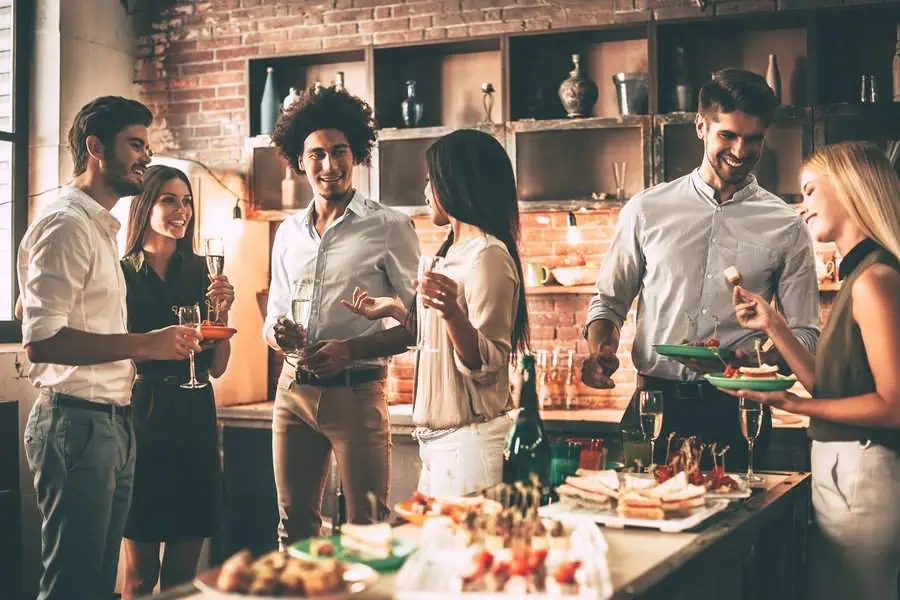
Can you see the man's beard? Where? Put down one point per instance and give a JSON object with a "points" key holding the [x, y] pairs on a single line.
{"points": [[733, 175], [116, 174]]}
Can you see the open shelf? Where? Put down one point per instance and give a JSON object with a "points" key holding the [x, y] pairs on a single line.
{"points": [[540, 63], [739, 42], [302, 71], [448, 80]]}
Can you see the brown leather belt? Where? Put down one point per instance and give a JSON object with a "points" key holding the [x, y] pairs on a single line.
{"points": [[171, 379], [68, 401], [347, 378]]}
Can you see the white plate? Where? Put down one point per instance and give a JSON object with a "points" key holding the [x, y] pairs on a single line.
{"points": [[743, 492], [357, 577], [564, 511]]}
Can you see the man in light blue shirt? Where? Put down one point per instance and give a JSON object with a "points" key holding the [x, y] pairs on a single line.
{"points": [[671, 247], [325, 401]]}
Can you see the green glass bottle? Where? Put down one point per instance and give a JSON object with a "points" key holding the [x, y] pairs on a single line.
{"points": [[527, 450]]}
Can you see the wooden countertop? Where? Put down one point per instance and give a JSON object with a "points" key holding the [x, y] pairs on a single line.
{"points": [[645, 561]]}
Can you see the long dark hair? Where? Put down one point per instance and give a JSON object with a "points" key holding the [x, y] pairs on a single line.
{"points": [[139, 215], [474, 183]]}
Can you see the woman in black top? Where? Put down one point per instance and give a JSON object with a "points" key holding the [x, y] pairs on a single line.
{"points": [[851, 198], [176, 492]]}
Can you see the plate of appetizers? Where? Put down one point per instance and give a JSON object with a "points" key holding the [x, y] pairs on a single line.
{"points": [[421, 506], [764, 378], [278, 575], [216, 333], [372, 545], [512, 554], [708, 350]]}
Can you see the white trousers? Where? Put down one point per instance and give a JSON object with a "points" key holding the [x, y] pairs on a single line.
{"points": [[465, 461], [855, 547]]}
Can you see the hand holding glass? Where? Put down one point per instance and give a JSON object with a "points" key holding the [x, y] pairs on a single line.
{"points": [[751, 424], [301, 309], [189, 316], [651, 411], [427, 264]]}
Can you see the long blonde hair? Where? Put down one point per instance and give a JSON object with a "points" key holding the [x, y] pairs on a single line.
{"points": [[868, 187]]}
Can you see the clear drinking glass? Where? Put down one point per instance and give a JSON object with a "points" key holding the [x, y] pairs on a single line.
{"points": [[189, 316], [301, 309], [751, 415], [427, 264], [215, 264], [651, 411]]}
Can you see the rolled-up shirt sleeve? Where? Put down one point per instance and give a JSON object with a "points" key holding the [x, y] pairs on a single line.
{"points": [[491, 295], [279, 287], [622, 272], [401, 260], [798, 289], [54, 262]]}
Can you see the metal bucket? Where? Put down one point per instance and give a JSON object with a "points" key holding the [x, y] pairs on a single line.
{"points": [[632, 92]]}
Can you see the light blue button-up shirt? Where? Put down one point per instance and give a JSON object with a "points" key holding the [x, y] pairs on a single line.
{"points": [[672, 244], [370, 246]]}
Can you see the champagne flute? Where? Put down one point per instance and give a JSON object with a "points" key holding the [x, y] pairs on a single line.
{"points": [[301, 309], [751, 424], [189, 316], [427, 264], [215, 263], [651, 411]]}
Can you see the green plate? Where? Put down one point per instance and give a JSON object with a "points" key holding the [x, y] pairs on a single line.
{"points": [[686, 351], [400, 551], [760, 385]]}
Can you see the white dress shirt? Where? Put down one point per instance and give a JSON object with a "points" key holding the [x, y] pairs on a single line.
{"points": [[69, 274], [370, 246], [672, 245]]}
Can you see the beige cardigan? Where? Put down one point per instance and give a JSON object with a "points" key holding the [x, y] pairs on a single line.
{"points": [[448, 394]]}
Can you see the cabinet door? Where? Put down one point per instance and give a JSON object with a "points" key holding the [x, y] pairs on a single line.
{"points": [[10, 544]]}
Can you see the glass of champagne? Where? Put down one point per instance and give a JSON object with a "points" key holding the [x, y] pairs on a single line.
{"points": [[427, 264], [215, 264], [651, 411], [751, 424], [189, 316], [301, 309]]}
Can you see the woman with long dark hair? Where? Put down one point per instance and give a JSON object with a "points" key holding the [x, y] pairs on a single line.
{"points": [[479, 318], [177, 482]]}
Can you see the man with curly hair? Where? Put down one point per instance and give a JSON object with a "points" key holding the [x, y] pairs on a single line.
{"points": [[333, 397]]}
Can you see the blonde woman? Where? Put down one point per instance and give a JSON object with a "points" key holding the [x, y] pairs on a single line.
{"points": [[852, 198]]}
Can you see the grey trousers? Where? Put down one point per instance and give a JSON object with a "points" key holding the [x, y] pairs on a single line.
{"points": [[83, 467]]}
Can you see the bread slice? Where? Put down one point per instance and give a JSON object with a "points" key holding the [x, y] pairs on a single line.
{"points": [[370, 541], [762, 372], [608, 478], [582, 497]]}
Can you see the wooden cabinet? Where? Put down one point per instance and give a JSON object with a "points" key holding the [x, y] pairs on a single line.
{"points": [[10, 503]]}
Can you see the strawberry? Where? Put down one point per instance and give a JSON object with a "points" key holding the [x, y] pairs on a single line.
{"points": [[565, 572]]}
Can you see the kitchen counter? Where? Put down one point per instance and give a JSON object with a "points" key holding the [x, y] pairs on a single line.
{"points": [[755, 549]]}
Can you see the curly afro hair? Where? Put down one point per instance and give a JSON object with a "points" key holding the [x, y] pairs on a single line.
{"points": [[325, 108]]}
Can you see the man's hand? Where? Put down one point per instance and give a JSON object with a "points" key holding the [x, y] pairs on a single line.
{"points": [[288, 335], [170, 343], [372, 308], [325, 358], [597, 369]]}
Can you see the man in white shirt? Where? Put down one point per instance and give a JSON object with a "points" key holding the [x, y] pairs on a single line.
{"points": [[319, 255], [79, 440], [672, 245]]}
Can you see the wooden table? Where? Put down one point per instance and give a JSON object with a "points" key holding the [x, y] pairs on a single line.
{"points": [[756, 549]]}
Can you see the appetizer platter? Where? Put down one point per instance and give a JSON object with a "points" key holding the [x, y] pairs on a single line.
{"points": [[215, 333], [421, 507], [515, 553], [278, 575], [764, 378], [372, 545]]}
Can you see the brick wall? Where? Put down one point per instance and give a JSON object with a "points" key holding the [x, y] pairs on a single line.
{"points": [[192, 70]]}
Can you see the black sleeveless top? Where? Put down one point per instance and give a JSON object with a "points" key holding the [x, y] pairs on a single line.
{"points": [[842, 367]]}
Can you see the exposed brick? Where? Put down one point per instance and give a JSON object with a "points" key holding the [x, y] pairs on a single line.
{"points": [[222, 104], [492, 28], [202, 68], [420, 22], [516, 13], [221, 79], [239, 64], [398, 37], [447, 20], [182, 107], [357, 41], [731, 7], [417, 8], [253, 14], [191, 94], [219, 42], [242, 52], [264, 37], [231, 90], [207, 131], [476, 4], [382, 12], [301, 45], [343, 16], [384, 25], [319, 31], [436, 33], [679, 12]]}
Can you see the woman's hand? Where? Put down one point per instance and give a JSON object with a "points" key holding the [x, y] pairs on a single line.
{"points": [[373, 308], [220, 292], [783, 400], [440, 292], [753, 312]]}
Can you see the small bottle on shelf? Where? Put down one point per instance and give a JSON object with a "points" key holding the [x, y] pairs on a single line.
{"points": [[555, 383], [684, 93], [571, 386], [896, 67], [543, 389]]}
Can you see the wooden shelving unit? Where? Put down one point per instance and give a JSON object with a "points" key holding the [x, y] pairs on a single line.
{"points": [[561, 161]]}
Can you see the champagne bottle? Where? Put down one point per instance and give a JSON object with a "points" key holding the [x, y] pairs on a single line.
{"points": [[270, 106], [896, 67], [684, 93], [527, 449]]}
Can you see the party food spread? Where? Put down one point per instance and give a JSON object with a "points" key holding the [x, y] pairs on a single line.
{"points": [[370, 542], [277, 574]]}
